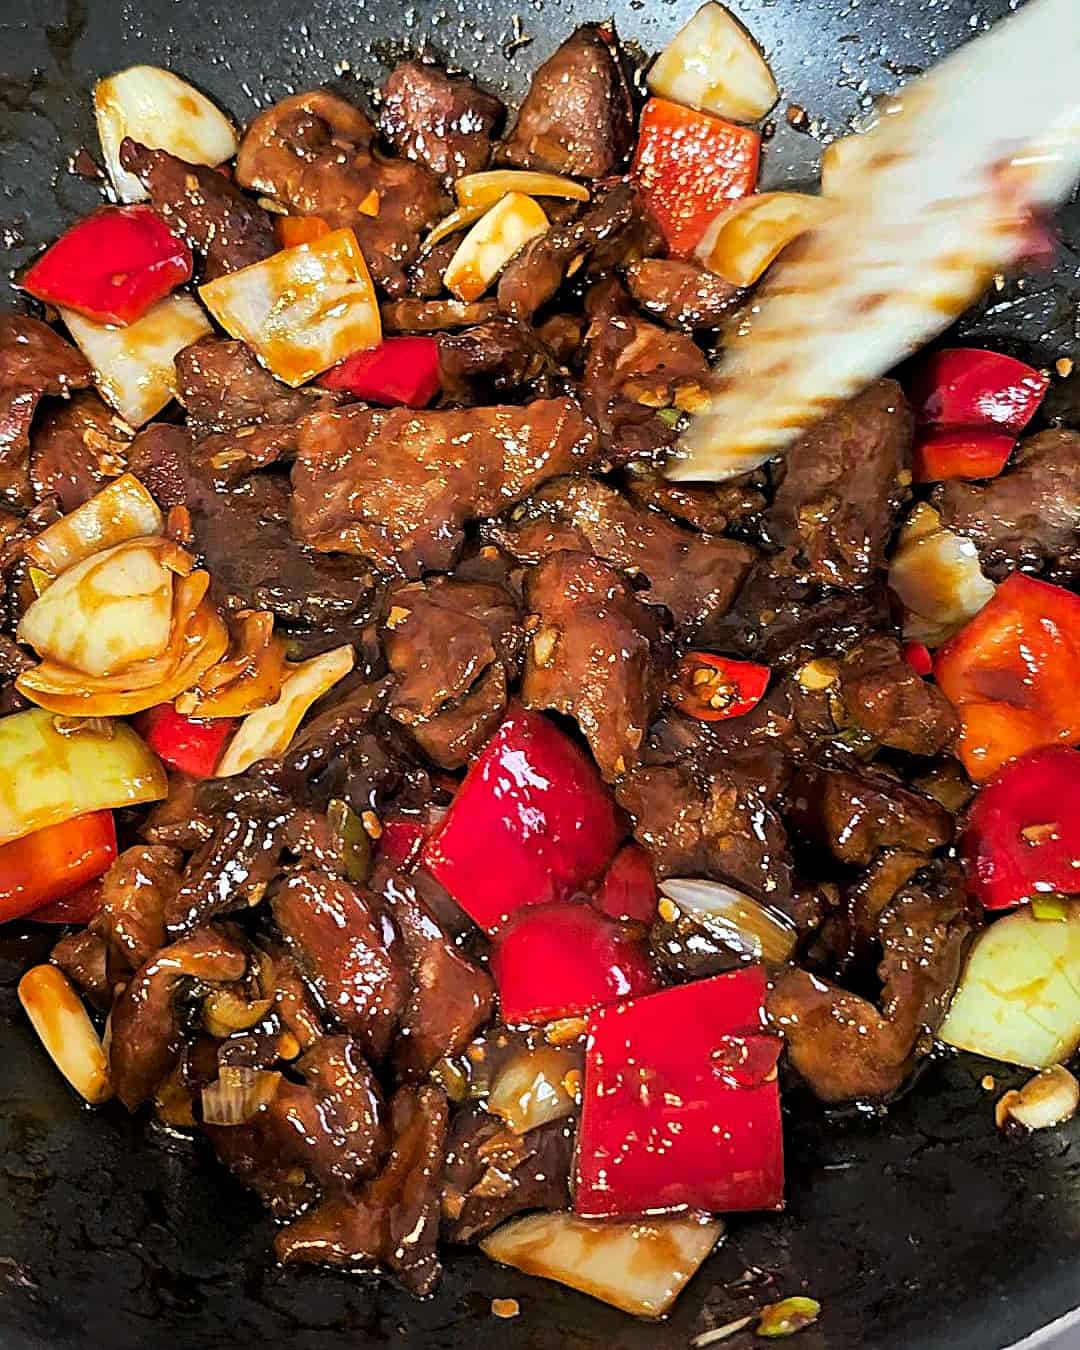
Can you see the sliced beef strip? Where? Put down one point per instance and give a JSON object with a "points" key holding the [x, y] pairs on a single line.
{"points": [[231, 871], [75, 448], [177, 820], [596, 653], [493, 360], [444, 121], [682, 294], [577, 117], [460, 730], [842, 487], [1028, 515], [694, 575], [229, 228], [398, 486], [224, 388], [451, 996], [393, 1220], [83, 956], [434, 316], [313, 152], [349, 949], [492, 1173], [329, 1128], [135, 892], [888, 700], [856, 811], [700, 823], [848, 1048], [146, 1032], [711, 509]]}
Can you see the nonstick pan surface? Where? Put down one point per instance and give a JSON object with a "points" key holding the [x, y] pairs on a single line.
{"points": [[917, 1230]]}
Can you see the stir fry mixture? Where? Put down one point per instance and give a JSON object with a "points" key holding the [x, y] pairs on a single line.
{"points": [[465, 830]]}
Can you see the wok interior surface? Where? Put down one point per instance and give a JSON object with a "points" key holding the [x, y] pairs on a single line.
{"points": [[916, 1229]]}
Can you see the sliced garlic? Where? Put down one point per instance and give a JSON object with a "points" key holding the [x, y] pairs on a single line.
{"points": [[495, 238], [485, 189], [937, 577], [1048, 1099]]}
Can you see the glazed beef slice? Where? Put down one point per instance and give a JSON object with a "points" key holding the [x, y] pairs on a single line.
{"points": [[443, 121]]}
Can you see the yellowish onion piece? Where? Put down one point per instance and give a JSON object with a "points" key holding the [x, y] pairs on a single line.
{"points": [[121, 511], [1050, 1098], [160, 110], [495, 238], [743, 240], [536, 1086], [47, 777], [198, 640], [457, 220], [640, 1267], [109, 611], [303, 309], [753, 930], [238, 1094], [1018, 999], [248, 678], [134, 367], [64, 1028], [936, 575], [713, 63], [267, 733], [486, 188]]}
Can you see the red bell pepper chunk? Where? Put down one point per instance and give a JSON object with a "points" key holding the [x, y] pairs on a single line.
{"points": [[78, 907], [690, 167], [185, 743], [401, 841], [51, 863], [1022, 837], [112, 266], [960, 452], [714, 688], [681, 1103], [532, 823], [968, 387], [628, 890], [1011, 674], [400, 371], [561, 960], [917, 655]]}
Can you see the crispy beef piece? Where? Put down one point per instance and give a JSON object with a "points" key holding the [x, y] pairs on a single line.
{"points": [[597, 654], [75, 448], [838, 500], [223, 388], [229, 228], [178, 821], [398, 486], [886, 699], [1028, 515], [347, 947], [445, 122], [710, 509], [682, 294], [857, 810], [451, 997], [435, 316], [494, 360], [328, 1128], [694, 575], [314, 153], [146, 1031], [846, 1047], [491, 1173], [697, 823], [135, 892], [231, 871], [84, 958], [633, 367], [577, 117], [393, 1220]]}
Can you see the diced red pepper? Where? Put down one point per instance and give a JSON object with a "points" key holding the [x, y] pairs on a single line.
{"points": [[1022, 837], [400, 371], [628, 890], [968, 387], [189, 744], [917, 655], [51, 863], [1011, 674], [690, 167], [78, 907], [561, 960], [713, 688], [401, 841], [294, 230], [531, 824], [960, 452], [681, 1106], [112, 266]]}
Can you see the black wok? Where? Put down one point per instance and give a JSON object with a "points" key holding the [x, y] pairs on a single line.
{"points": [[920, 1229]]}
